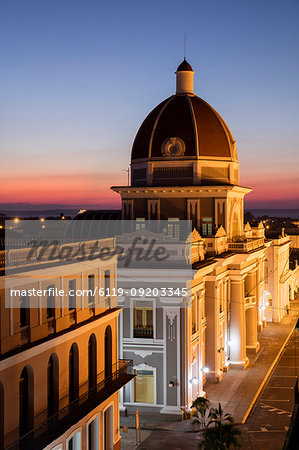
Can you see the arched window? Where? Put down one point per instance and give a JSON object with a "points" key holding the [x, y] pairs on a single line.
{"points": [[53, 385], [26, 400], [74, 372], [92, 361], [108, 352], [1, 416]]}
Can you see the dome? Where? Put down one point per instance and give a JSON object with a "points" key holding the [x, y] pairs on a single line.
{"points": [[192, 122], [184, 142]]}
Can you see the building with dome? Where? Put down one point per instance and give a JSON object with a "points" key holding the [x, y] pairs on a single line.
{"points": [[184, 166], [185, 143]]}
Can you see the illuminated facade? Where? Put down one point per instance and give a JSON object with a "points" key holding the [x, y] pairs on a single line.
{"points": [[184, 166], [60, 373]]}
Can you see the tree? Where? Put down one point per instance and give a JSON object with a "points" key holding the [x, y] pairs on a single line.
{"points": [[200, 413], [220, 437], [218, 417]]}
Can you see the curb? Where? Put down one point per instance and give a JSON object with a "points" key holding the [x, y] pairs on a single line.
{"points": [[267, 375]]}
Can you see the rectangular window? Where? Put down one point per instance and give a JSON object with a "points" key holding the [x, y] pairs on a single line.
{"points": [[207, 226], [51, 301], [143, 323], [173, 228], [140, 223], [91, 285], [203, 311], [24, 311], [194, 315], [72, 294], [107, 283]]}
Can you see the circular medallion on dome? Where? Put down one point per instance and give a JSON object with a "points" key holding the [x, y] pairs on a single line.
{"points": [[173, 147]]}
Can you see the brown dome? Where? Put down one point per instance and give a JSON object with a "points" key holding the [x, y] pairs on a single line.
{"points": [[191, 119]]}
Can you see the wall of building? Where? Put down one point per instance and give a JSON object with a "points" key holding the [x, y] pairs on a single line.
{"points": [[38, 356]]}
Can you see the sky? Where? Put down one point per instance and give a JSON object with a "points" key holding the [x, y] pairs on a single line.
{"points": [[77, 79]]}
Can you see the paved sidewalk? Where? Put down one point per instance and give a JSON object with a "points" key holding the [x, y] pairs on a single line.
{"points": [[128, 440], [236, 392], [238, 387]]}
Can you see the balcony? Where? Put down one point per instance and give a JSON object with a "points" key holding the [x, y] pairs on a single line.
{"points": [[246, 246], [47, 429], [146, 332], [250, 300]]}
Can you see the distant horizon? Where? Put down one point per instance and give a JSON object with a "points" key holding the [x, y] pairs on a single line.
{"points": [[47, 208]]}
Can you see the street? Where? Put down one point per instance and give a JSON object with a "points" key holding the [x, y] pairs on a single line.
{"points": [[268, 421]]}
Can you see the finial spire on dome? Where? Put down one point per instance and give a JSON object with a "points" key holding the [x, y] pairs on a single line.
{"points": [[184, 78]]}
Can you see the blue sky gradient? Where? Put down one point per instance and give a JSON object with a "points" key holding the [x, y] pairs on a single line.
{"points": [[78, 77]]}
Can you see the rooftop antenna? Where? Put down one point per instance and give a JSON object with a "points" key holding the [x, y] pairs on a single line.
{"points": [[185, 44], [128, 172]]}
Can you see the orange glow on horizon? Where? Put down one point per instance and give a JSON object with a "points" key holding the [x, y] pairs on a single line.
{"points": [[91, 190]]}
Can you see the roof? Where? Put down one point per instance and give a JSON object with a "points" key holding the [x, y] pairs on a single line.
{"points": [[190, 118], [184, 67]]}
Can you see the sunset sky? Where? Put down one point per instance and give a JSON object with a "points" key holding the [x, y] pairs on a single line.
{"points": [[78, 77]]}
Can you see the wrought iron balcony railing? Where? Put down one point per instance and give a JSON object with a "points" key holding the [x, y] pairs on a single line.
{"points": [[48, 428], [143, 332]]}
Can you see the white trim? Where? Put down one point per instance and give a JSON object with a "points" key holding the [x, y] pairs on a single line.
{"points": [[109, 405], [156, 346], [70, 436], [143, 353], [91, 419], [57, 446]]}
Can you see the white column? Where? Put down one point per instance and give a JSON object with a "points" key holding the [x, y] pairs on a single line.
{"points": [[251, 313], [237, 325]]}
